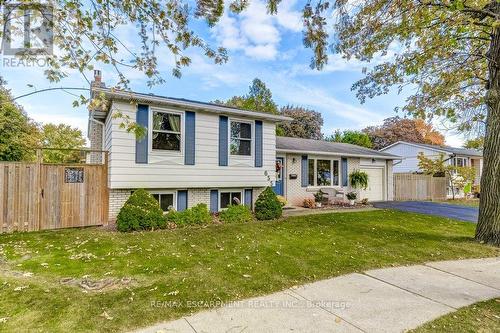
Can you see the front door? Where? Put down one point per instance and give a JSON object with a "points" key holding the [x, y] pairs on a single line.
{"points": [[280, 168]]}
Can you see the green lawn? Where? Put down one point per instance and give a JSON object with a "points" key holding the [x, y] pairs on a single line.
{"points": [[463, 202], [481, 317], [213, 263]]}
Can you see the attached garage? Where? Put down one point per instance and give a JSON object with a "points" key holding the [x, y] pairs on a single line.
{"points": [[375, 190], [304, 167]]}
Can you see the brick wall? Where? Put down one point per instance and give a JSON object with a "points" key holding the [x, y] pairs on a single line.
{"points": [[197, 196], [295, 193], [95, 138], [116, 200]]}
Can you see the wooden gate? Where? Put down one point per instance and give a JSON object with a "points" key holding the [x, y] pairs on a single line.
{"points": [[409, 186], [40, 196]]}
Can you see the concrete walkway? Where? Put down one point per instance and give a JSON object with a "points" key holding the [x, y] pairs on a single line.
{"points": [[382, 300], [458, 212], [301, 211]]}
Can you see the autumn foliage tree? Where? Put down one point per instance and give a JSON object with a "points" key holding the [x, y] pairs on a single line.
{"points": [[396, 129], [306, 123]]}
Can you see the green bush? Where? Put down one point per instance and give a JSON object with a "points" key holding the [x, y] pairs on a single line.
{"points": [[236, 214], [198, 214], [140, 212], [267, 206]]}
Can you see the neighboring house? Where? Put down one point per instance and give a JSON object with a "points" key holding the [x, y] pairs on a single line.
{"points": [[195, 152], [311, 165], [454, 156]]}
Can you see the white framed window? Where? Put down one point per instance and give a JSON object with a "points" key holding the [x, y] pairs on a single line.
{"points": [[232, 197], [323, 172], [460, 161], [166, 130], [166, 199], [240, 138]]}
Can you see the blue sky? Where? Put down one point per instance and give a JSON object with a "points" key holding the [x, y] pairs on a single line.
{"points": [[259, 45]]}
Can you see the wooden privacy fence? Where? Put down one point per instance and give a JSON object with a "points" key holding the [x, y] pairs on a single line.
{"points": [[40, 196], [409, 186]]}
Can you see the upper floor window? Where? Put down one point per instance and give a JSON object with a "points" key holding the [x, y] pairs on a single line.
{"points": [[241, 138], [323, 172], [166, 131]]}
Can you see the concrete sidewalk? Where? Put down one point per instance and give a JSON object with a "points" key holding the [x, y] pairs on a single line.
{"points": [[382, 300]]}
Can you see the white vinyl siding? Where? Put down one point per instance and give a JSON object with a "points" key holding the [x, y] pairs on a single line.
{"points": [[169, 171], [409, 154]]}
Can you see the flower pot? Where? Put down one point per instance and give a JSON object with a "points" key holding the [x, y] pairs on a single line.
{"points": [[351, 202]]}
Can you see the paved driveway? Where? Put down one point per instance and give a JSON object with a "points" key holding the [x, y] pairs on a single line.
{"points": [[464, 213]]}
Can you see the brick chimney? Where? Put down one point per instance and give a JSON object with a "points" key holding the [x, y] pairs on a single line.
{"points": [[97, 82]]}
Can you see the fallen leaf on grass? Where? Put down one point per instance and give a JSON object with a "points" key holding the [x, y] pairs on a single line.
{"points": [[247, 276], [21, 288], [106, 315]]}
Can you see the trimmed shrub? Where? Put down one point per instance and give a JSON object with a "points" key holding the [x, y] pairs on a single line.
{"points": [[236, 214], [198, 214], [140, 212], [267, 206]]}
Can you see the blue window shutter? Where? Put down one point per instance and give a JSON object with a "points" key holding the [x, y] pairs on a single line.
{"points": [[304, 171], [223, 144], [214, 201], [189, 138], [141, 145], [248, 197], [258, 143], [182, 200], [345, 176]]}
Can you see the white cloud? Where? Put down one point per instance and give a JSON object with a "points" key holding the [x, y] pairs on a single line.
{"points": [[289, 18], [263, 52], [296, 93], [256, 33]]}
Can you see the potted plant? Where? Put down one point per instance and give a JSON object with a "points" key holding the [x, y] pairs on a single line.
{"points": [[351, 196], [359, 179], [319, 197]]}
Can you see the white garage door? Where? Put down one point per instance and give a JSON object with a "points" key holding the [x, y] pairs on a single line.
{"points": [[375, 190]]}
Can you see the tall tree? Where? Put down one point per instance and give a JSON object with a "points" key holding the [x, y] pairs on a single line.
{"points": [[64, 138], [477, 143], [357, 138], [396, 129], [429, 133], [306, 123], [18, 133], [259, 98]]}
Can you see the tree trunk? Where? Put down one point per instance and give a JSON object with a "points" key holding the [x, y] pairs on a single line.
{"points": [[488, 226]]}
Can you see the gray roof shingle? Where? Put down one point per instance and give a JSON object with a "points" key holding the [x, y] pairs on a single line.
{"points": [[320, 146], [451, 150]]}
